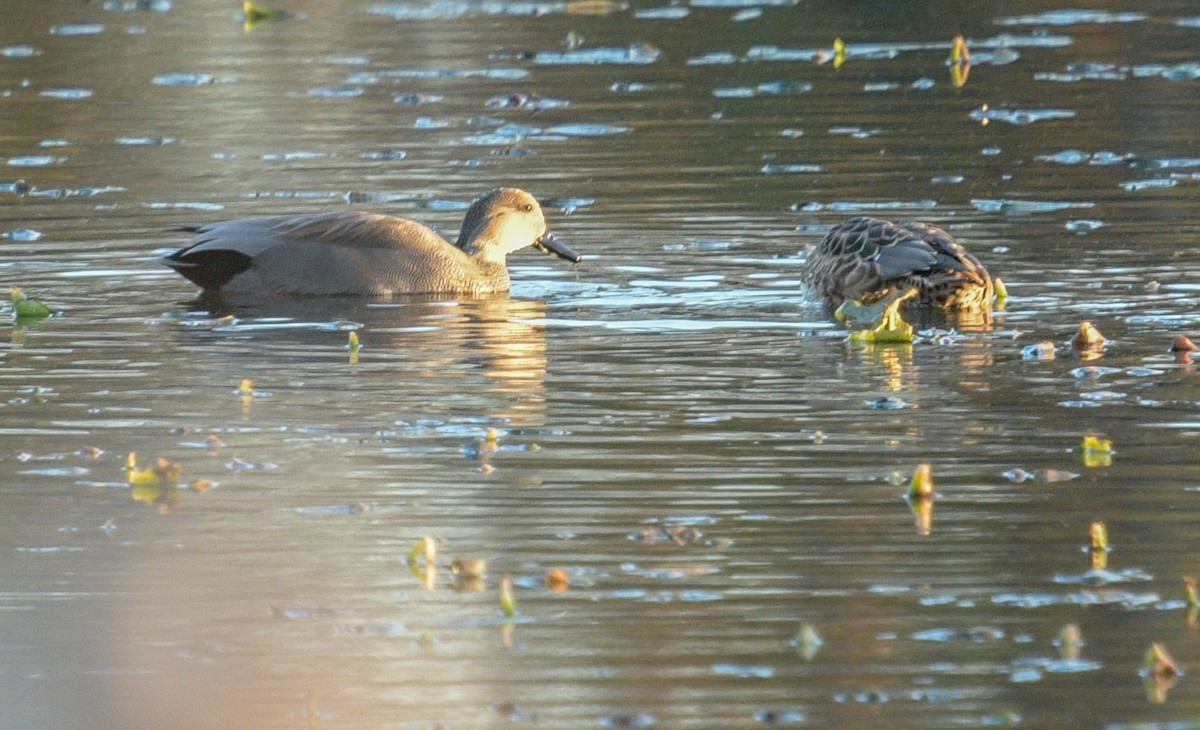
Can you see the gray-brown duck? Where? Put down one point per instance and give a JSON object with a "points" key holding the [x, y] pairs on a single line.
{"points": [[350, 252], [867, 259]]}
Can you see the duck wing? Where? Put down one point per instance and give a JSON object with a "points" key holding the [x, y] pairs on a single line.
{"points": [[346, 252], [950, 254], [864, 254]]}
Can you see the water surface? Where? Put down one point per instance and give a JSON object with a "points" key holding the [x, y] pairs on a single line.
{"points": [[675, 426]]}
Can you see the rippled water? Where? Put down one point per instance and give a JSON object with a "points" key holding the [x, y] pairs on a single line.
{"points": [[673, 425]]}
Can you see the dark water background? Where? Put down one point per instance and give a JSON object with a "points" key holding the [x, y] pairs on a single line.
{"points": [[676, 378]]}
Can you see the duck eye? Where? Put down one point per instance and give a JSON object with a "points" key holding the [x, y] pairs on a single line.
{"points": [[528, 207]]}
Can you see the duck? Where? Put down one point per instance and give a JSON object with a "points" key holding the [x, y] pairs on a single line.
{"points": [[868, 259], [359, 253]]}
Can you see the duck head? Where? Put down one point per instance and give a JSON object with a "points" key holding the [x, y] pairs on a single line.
{"points": [[506, 220]]}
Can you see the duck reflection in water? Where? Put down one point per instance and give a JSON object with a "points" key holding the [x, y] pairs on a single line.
{"points": [[487, 349]]}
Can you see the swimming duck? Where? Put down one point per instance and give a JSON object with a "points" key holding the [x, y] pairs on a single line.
{"points": [[350, 252], [866, 259]]}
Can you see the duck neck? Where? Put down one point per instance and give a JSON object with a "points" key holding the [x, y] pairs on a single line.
{"points": [[481, 249]]}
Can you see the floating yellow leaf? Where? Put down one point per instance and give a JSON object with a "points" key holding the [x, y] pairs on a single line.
{"points": [[1157, 662], [807, 640], [508, 601], [1069, 641], [839, 52], [246, 388], [922, 509], [255, 13], [164, 471], [921, 485], [959, 53], [426, 547], [1001, 290], [960, 62], [1098, 537], [1190, 589], [1087, 338], [1096, 451]]}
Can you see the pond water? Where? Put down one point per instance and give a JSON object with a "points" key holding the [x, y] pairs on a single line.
{"points": [[673, 425]]}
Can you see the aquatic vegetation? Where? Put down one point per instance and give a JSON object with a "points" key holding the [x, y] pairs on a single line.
{"points": [[253, 14], [1087, 338], [1096, 451], [1069, 641], [891, 327], [25, 307], [857, 315], [959, 62], [922, 510], [1098, 537], [921, 485], [1158, 664], [807, 640], [508, 599], [164, 471], [425, 550]]}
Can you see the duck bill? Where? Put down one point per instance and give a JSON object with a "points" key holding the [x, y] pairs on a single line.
{"points": [[549, 244]]}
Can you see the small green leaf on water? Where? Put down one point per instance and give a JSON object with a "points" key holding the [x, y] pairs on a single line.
{"points": [[354, 346], [24, 307]]}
